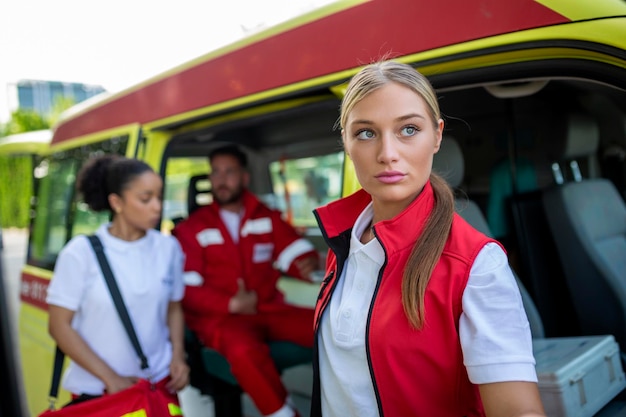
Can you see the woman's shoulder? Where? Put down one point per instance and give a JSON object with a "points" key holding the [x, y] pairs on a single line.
{"points": [[167, 242], [464, 241], [77, 244], [76, 251]]}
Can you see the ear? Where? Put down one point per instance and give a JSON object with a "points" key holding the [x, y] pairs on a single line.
{"points": [[438, 135], [116, 202]]}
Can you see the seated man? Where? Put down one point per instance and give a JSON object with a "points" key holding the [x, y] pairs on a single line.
{"points": [[235, 249]]}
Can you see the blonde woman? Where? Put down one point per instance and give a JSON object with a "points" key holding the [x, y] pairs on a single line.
{"points": [[419, 314]]}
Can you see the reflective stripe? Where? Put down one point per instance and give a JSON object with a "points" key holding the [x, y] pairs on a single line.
{"points": [[258, 226], [193, 279], [291, 252], [174, 410], [208, 237]]}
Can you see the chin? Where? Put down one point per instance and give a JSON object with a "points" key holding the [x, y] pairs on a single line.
{"points": [[152, 225], [395, 199]]}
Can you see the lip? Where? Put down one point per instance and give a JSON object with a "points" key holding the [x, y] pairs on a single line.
{"points": [[390, 177]]}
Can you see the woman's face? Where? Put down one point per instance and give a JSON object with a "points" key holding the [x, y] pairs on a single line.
{"points": [[391, 138], [140, 203]]}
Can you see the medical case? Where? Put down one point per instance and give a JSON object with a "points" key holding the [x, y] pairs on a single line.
{"points": [[578, 375]]}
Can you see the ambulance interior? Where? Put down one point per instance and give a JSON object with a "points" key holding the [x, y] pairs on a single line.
{"points": [[521, 140]]}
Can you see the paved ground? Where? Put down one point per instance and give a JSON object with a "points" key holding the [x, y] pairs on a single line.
{"points": [[194, 404]]}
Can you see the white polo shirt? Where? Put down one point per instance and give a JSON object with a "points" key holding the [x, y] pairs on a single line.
{"points": [[491, 352], [148, 272]]}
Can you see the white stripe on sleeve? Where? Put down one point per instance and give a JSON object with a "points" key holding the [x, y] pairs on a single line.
{"points": [[193, 279], [291, 252]]}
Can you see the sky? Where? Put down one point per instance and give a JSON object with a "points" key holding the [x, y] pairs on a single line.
{"points": [[118, 43]]}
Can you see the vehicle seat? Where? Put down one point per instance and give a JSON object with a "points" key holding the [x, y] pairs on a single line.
{"points": [[588, 219], [613, 156], [449, 163], [502, 186], [198, 192], [537, 259]]}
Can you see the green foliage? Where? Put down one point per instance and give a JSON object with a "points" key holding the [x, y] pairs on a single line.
{"points": [[15, 190], [16, 172], [59, 105], [25, 121]]}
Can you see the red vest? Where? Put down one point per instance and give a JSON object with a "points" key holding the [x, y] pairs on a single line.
{"points": [[414, 372]]}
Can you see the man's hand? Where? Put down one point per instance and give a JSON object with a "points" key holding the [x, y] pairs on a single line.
{"points": [[244, 302], [307, 265]]}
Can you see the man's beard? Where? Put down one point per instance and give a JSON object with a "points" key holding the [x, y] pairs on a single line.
{"points": [[231, 197]]}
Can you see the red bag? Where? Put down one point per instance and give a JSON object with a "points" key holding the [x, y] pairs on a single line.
{"points": [[143, 399]]}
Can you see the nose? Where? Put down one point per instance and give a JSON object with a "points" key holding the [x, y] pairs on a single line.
{"points": [[157, 204], [388, 151]]}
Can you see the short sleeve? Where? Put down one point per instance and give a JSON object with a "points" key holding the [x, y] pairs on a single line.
{"points": [[493, 328], [70, 275], [176, 271]]}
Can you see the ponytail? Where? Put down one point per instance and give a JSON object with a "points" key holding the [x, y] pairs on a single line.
{"points": [[426, 252]]}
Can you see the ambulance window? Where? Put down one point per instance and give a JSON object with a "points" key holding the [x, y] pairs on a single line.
{"points": [[50, 226], [303, 184], [58, 215], [85, 221], [178, 172]]}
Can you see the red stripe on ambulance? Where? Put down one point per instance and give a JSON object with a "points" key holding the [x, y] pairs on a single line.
{"points": [[33, 290]]}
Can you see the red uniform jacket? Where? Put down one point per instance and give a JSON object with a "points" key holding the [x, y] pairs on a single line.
{"points": [[414, 372], [267, 245]]}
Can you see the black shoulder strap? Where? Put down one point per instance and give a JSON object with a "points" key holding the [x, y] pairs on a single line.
{"points": [[59, 356], [117, 298]]}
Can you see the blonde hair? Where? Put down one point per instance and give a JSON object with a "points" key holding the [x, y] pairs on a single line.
{"points": [[374, 76], [429, 245]]}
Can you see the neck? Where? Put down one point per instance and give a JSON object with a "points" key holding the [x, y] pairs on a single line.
{"points": [[126, 233], [386, 210], [233, 206], [368, 233]]}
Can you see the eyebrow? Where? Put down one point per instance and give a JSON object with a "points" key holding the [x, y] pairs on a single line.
{"points": [[399, 119], [145, 192], [410, 116]]}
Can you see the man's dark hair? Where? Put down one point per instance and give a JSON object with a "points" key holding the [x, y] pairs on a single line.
{"points": [[232, 150]]}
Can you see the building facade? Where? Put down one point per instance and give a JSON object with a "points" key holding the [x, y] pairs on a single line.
{"points": [[41, 96]]}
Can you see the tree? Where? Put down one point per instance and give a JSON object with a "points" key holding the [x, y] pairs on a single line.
{"points": [[15, 189], [25, 121], [16, 179], [58, 107], [15, 171]]}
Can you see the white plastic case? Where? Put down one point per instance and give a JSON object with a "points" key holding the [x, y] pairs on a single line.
{"points": [[578, 375]]}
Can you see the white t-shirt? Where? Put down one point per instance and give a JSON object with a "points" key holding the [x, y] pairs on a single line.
{"points": [[232, 221], [148, 272], [491, 352]]}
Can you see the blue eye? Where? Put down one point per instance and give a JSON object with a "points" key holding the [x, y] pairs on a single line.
{"points": [[409, 130], [364, 134]]}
